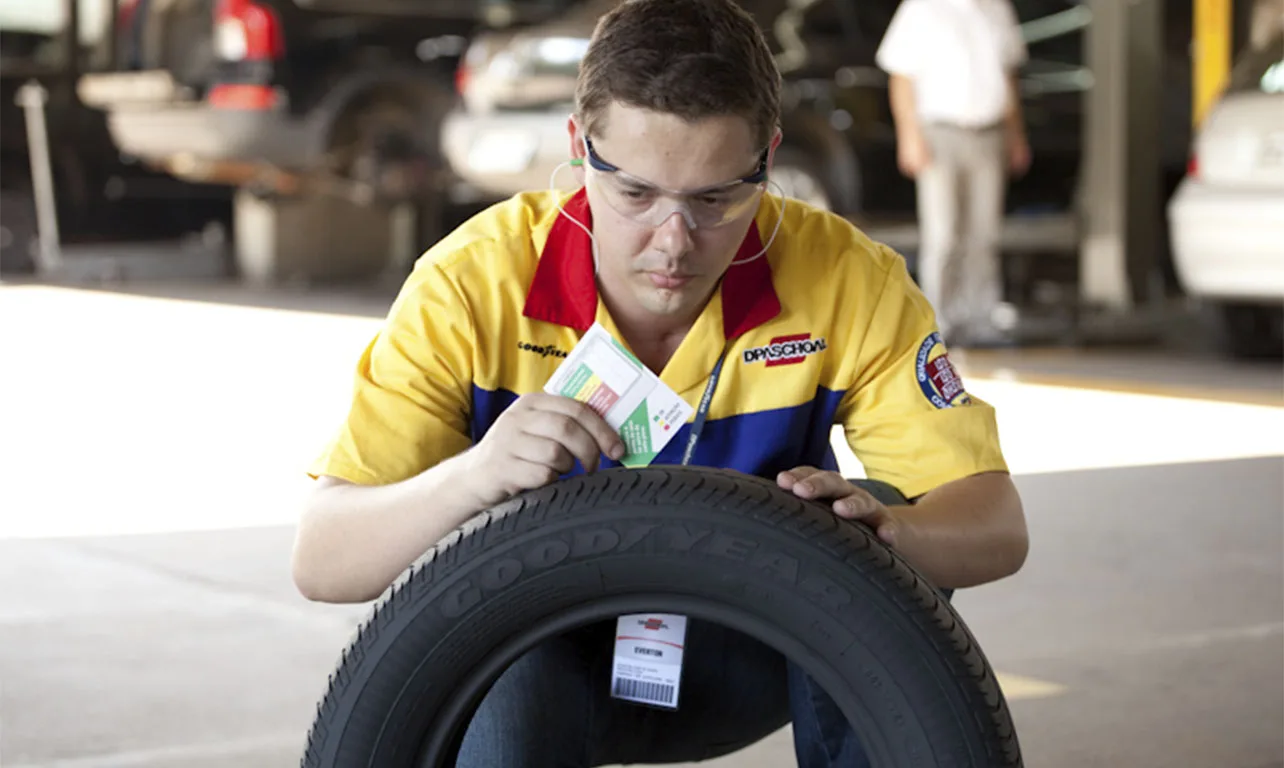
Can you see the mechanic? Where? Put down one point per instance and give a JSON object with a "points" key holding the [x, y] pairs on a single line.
{"points": [[789, 316]]}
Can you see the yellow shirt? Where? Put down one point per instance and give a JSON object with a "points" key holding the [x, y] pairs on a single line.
{"points": [[826, 328]]}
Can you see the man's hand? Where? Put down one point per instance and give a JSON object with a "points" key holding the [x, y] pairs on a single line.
{"points": [[912, 153], [535, 441], [848, 501], [1018, 151]]}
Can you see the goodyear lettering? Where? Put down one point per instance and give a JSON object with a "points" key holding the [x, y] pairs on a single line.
{"points": [[542, 351], [682, 540], [589, 543], [500, 574], [459, 599], [731, 547], [547, 554], [497, 575]]}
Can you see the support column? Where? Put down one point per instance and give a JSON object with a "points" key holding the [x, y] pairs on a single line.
{"points": [[1210, 54], [1121, 208]]}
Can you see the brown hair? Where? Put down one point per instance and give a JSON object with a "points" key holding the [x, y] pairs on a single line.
{"points": [[690, 58]]}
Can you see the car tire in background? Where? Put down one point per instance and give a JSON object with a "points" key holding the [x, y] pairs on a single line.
{"points": [[713, 545], [1253, 331], [18, 233], [799, 177]]}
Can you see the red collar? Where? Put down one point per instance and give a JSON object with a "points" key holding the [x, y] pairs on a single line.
{"points": [[564, 290]]}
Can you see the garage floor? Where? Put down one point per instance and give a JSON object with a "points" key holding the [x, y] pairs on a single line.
{"points": [[150, 460]]}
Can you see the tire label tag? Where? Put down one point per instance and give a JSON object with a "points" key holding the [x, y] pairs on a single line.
{"points": [[648, 658]]}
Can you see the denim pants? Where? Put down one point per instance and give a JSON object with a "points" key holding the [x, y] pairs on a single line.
{"points": [[552, 707]]}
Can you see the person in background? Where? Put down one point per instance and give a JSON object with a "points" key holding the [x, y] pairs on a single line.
{"points": [[959, 134]]}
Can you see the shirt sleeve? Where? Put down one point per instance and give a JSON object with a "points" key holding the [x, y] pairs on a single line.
{"points": [[907, 416], [1015, 52], [412, 390], [901, 51]]}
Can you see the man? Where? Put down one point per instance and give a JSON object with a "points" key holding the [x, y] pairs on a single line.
{"points": [[689, 263], [959, 130]]}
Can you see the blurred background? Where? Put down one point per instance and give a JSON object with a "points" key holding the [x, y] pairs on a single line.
{"points": [[206, 207]]}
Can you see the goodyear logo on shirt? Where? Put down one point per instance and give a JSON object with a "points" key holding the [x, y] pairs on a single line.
{"points": [[786, 350], [936, 375]]}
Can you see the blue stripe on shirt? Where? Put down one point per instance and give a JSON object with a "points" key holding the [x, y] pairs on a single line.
{"points": [[763, 443]]}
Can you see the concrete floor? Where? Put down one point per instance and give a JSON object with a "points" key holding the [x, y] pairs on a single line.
{"points": [[150, 458]]}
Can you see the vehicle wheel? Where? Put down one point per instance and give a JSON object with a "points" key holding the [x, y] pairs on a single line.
{"points": [[384, 146], [18, 233], [800, 179], [709, 544], [1253, 330]]}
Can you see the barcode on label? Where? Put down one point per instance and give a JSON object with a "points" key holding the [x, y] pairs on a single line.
{"points": [[651, 693]]}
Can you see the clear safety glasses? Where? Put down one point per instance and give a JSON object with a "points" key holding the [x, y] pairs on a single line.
{"points": [[651, 205]]}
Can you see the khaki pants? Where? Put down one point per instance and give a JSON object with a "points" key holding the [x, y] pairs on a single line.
{"points": [[960, 214]]}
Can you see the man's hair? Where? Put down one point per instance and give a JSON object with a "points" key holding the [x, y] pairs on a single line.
{"points": [[689, 58]]}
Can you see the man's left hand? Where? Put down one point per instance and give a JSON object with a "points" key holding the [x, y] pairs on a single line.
{"points": [[846, 500], [1018, 151]]}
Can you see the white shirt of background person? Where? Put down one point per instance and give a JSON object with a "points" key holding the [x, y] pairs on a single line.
{"points": [[959, 54]]}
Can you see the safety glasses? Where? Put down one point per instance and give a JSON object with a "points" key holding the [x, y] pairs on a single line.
{"points": [[650, 205]]}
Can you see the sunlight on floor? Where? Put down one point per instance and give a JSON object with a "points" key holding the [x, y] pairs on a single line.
{"points": [[137, 415]]}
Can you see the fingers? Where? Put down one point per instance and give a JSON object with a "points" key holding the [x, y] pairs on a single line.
{"points": [[864, 508], [858, 505], [558, 441], [789, 478], [607, 439], [812, 483], [849, 502]]}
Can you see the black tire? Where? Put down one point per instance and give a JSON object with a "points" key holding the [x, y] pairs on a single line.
{"points": [[1253, 331], [802, 178], [710, 544], [18, 233]]}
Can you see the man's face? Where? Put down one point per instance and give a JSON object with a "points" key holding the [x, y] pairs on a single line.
{"points": [[665, 268]]}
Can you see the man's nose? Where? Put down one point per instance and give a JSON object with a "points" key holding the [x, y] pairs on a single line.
{"points": [[673, 236]]}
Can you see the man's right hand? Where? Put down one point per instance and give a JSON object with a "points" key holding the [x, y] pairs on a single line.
{"points": [[912, 153], [534, 442]]}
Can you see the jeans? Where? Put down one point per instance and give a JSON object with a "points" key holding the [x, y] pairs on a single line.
{"points": [[552, 707]]}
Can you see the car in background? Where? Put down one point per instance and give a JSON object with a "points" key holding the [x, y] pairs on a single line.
{"points": [[298, 99], [517, 90], [1226, 219], [285, 95]]}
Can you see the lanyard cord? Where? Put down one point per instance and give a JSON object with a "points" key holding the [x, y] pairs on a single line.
{"points": [[702, 413]]}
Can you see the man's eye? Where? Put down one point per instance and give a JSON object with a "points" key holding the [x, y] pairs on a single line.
{"points": [[713, 200], [635, 194]]}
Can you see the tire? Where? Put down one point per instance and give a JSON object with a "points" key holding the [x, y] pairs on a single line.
{"points": [[18, 233], [800, 179], [1253, 331], [710, 544]]}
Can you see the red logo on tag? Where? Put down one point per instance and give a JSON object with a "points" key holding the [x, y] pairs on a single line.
{"points": [[655, 625]]}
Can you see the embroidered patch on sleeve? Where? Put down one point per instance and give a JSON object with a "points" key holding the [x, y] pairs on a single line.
{"points": [[940, 382]]}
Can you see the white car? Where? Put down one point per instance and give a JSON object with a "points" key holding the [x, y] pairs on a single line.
{"points": [[1227, 216]]}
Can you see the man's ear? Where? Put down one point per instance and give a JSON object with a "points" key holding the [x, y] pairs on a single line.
{"points": [[776, 138], [578, 152]]}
